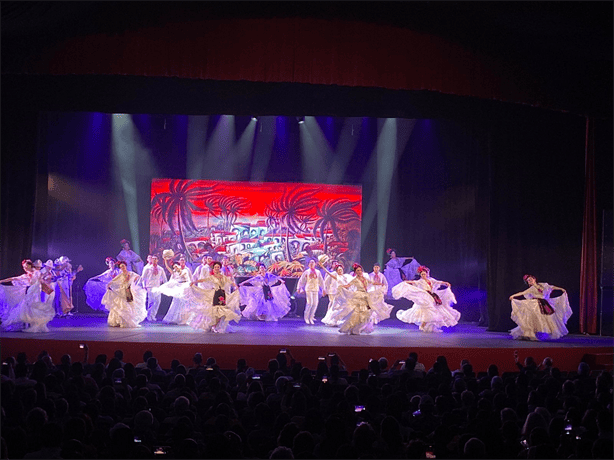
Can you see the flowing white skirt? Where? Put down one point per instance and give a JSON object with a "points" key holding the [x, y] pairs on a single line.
{"points": [[256, 307], [95, 289], [123, 313], [530, 320], [180, 310], [35, 310], [361, 318], [425, 311], [204, 315], [334, 308], [10, 298]]}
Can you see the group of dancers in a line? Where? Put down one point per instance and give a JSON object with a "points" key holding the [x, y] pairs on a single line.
{"points": [[208, 298]]}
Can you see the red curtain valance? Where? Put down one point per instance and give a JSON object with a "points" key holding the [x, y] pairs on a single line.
{"points": [[301, 50]]}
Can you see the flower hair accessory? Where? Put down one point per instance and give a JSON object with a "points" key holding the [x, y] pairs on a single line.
{"points": [[390, 251], [423, 268], [356, 266], [525, 278]]}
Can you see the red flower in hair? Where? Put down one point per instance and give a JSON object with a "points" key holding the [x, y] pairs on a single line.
{"points": [[423, 268]]}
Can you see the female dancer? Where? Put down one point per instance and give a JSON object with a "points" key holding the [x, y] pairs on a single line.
{"points": [[399, 269], [539, 312], [310, 282], [96, 287], [134, 261], [214, 308], [358, 303], [431, 310], [265, 296], [12, 295], [125, 299], [332, 286], [177, 287], [36, 309]]}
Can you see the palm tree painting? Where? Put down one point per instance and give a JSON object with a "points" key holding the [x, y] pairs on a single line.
{"points": [[256, 221], [179, 203], [331, 214], [291, 208]]}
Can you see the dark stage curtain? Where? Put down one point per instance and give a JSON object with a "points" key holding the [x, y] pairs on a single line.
{"points": [[20, 184], [536, 202], [589, 276]]}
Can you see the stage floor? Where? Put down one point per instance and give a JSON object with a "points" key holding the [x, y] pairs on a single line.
{"points": [[261, 341]]}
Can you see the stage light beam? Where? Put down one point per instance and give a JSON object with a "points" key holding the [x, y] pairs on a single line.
{"points": [[124, 157]]}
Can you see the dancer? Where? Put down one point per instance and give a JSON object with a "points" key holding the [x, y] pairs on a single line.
{"points": [[332, 286], [176, 287], [36, 309], [125, 299], [310, 282], [265, 295], [538, 312], [96, 287], [12, 295], [358, 302], [399, 269], [214, 308], [132, 259], [153, 277], [431, 310], [64, 277], [203, 270], [378, 291], [227, 268]]}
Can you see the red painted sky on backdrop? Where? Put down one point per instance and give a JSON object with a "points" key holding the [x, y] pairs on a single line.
{"points": [[262, 193]]}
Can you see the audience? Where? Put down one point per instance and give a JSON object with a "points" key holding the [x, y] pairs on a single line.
{"points": [[116, 409]]}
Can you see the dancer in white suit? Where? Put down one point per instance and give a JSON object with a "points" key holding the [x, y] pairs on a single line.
{"points": [[311, 282], [154, 276], [538, 312], [378, 290]]}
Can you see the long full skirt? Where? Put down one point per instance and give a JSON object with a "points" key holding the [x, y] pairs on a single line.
{"points": [[123, 313], [180, 310], [95, 289], [425, 313], [256, 307], [34, 311], [361, 318], [531, 321], [10, 298], [204, 315]]}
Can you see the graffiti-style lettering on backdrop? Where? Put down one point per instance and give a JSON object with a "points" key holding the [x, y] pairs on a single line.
{"points": [[278, 224]]}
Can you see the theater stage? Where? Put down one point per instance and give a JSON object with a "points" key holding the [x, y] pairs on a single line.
{"points": [[260, 341]]}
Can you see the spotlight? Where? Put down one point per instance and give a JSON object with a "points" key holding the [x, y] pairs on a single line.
{"points": [[254, 118], [301, 120]]}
